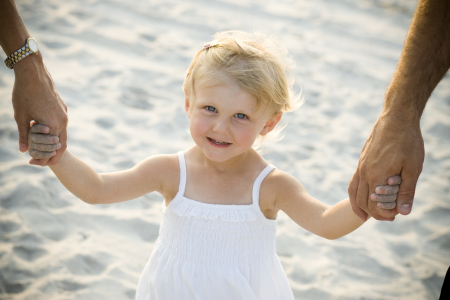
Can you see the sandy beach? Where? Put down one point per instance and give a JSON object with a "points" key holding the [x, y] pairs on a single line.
{"points": [[120, 66]]}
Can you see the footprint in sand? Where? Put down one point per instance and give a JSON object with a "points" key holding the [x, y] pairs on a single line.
{"points": [[86, 264], [29, 253]]}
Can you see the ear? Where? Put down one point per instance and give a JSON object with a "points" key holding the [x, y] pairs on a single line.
{"points": [[187, 106], [271, 123]]}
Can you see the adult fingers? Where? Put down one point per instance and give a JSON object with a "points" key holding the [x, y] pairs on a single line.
{"points": [[43, 139], [38, 128], [364, 204], [387, 205], [394, 180], [46, 148], [36, 154], [353, 193], [406, 192], [23, 125], [63, 141], [383, 198], [387, 189], [376, 211]]}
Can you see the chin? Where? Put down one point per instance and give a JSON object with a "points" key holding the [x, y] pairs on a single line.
{"points": [[217, 157]]}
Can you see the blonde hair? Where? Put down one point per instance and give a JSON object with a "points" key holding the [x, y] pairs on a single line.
{"points": [[258, 63]]}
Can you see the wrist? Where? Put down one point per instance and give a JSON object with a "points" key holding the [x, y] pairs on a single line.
{"points": [[31, 66], [401, 107]]}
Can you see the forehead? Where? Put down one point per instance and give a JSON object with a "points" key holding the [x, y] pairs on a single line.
{"points": [[218, 87], [224, 90]]}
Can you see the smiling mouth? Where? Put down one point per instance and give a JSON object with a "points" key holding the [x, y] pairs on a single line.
{"points": [[217, 142]]}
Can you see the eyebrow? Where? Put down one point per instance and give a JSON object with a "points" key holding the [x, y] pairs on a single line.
{"points": [[209, 103]]}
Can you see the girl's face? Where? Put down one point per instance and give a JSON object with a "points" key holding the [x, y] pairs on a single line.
{"points": [[224, 120]]}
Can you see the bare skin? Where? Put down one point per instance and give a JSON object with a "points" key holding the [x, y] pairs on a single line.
{"points": [[34, 94], [83, 182], [395, 145]]}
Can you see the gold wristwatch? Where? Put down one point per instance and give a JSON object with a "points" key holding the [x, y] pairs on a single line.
{"points": [[31, 47]]}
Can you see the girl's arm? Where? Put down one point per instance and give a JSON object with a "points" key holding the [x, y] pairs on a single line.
{"points": [[104, 188], [94, 188], [317, 217]]}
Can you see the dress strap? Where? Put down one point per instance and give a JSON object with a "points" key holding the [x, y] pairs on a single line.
{"points": [[257, 183], [182, 162]]}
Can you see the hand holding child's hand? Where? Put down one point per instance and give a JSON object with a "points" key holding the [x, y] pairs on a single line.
{"points": [[386, 195], [41, 144]]}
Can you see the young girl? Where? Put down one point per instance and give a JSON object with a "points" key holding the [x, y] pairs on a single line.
{"points": [[217, 235]]}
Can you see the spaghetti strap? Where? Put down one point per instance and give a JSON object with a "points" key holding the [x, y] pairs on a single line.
{"points": [[182, 162], [257, 184]]}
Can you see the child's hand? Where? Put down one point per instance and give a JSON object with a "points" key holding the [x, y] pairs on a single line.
{"points": [[41, 144], [386, 195]]}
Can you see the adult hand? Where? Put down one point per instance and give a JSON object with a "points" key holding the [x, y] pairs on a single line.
{"points": [[394, 147], [35, 98]]}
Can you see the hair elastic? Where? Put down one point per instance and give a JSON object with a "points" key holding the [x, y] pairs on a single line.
{"points": [[207, 46]]}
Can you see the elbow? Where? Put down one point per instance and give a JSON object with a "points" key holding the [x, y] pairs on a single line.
{"points": [[92, 200], [331, 237]]}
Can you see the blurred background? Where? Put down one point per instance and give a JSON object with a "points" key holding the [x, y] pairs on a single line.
{"points": [[120, 66]]}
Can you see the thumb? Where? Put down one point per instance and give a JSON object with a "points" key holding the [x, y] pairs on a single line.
{"points": [[406, 193], [24, 127]]}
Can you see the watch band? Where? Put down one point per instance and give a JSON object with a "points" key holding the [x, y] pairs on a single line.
{"points": [[31, 47]]}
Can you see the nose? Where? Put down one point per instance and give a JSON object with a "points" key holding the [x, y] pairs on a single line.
{"points": [[221, 126]]}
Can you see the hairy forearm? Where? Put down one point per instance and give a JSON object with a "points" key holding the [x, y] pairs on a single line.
{"points": [[13, 32], [79, 178], [339, 220], [423, 63], [13, 35]]}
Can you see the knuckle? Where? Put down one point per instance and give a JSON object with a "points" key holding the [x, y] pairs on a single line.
{"points": [[380, 190], [388, 205], [406, 196], [65, 120], [34, 154], [53, 124], [351, 189]]}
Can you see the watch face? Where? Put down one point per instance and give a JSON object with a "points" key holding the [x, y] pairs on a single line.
{"points": [[33, 45]]}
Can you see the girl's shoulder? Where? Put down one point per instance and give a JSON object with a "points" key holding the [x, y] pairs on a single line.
{"points": [[277, 187], [277, 181], [164, 167]]}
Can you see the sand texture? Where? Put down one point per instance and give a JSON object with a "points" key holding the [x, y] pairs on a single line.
{"points": [[120, 65]]}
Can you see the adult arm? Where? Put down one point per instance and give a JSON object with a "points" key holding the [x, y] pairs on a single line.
{"points": [[395, 145], [34, 94]]}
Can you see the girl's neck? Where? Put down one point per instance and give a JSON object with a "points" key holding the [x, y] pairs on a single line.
{"points": [[235, 164]]}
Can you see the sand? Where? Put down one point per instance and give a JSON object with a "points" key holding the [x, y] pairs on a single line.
{"points": [[119, 65]]}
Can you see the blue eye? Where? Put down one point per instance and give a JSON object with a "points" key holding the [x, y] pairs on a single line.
{"points": [[241, 116], [211, 108]]}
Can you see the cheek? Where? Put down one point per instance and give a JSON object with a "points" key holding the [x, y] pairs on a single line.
{"points": [[198, 125], [246, 135]]}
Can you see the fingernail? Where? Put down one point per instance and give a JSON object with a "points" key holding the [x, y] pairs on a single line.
{"points": [[373, 196], [379, 204], [58, 146], [46, 129], [405, 209], [53, 153], [22, 148]]}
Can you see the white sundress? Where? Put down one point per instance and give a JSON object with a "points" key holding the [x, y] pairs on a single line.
{"points": [[214, 252]]}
